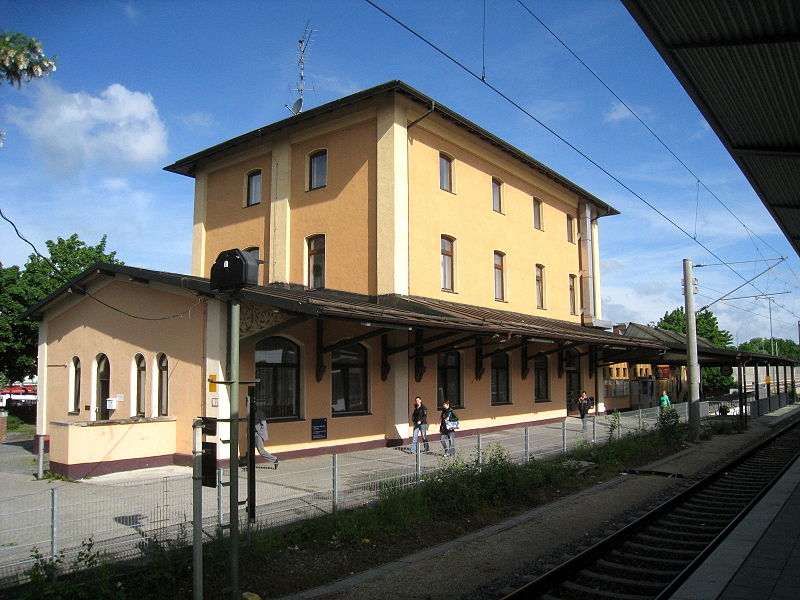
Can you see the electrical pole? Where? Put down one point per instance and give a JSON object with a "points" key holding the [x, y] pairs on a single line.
{"points": [[692, 365]]}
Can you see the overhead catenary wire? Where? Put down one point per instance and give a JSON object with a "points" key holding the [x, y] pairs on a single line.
{"points": [[558, 136], [83, 290]]}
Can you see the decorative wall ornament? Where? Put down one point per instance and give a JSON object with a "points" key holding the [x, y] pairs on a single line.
{"points": [[257, 317]]}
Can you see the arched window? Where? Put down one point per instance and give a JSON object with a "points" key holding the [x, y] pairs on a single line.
{"points": [[103, 390], [448, 260], [445, 172], [448, 380], [573, 297], [278, 372], [537, 213], [499, 276], [163, 385], [318, 169], [539, 286], [500, 391], [349, 393], [140, 379], [497, 195], [316, 261], [75, 380], [541, 379], [254, 188]]}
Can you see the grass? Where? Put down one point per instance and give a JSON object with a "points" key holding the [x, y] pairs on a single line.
{"points": [[16, 424], [462, 496]]}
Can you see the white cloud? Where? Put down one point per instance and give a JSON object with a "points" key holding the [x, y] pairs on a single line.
{"points": [[619, 112], [120, 129], [196, 119], [130, 11]]}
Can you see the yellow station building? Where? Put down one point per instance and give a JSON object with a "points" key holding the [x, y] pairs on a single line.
{"points": [[403, 251]]}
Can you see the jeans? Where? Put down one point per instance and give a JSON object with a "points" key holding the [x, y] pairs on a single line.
{"points": [[584, 419], [449, 442], [421, 429]]}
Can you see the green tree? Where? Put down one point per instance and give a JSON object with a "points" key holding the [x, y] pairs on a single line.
{"points": [[707, 327], [783, 347], [22, 288], [22, 59]]}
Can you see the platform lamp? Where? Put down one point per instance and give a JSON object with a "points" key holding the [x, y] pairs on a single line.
{"points": [[233, 270]]}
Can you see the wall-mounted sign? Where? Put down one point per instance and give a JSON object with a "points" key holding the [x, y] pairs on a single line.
{"points": [[319, 429]]}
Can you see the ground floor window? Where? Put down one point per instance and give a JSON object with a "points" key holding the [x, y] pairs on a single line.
{"points": [[278, 372], [500, 384], [541, 379], [349, 390], [163, 385], [448, 379]]}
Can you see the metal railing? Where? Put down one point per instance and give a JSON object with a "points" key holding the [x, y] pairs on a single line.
{"points": [[125, 520]]}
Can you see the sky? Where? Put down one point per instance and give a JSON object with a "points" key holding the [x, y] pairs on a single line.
{"points": [[142, 84]]}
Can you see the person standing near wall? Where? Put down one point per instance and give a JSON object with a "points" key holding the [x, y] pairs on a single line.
{"points": [[583, 408], [419, 420]]}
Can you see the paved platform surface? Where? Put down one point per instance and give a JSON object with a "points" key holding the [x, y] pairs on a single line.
{"points": [[761, 558]]}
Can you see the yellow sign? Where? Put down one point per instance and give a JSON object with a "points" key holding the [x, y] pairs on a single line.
{"points": [[767, 379], [212, 387]]}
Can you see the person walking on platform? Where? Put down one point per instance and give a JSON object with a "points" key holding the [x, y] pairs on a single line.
{"points": [[262, 436], [665, 399], [419, 419], [447, 429]]}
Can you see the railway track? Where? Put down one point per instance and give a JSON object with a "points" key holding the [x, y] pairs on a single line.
{"points": [[651, 557]]}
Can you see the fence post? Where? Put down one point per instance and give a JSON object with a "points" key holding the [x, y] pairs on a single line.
{"points": [[564, 436], [418, 463], [479, 447], [219, 497], [53, 522], [640, 420], [594, 428], [40, 459], [527, 446], [335, 483]]}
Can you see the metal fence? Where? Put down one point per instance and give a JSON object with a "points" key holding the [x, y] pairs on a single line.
{"points": [[125, 520]]}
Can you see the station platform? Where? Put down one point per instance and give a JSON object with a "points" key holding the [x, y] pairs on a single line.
{"points": [[760, 559]]}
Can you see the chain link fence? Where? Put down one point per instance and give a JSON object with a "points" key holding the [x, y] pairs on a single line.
{"points": [[125, 520]]}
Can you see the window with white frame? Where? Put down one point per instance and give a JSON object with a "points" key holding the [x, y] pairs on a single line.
{"points": [[539, 286], [445, 172], [537, 214], [316, 261], [317, 169], [497, 195], [254, 188], [448, 263], [499, 276], [139, 387]]}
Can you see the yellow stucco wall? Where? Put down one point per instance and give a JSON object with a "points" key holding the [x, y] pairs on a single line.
{"points": [[228, 222], [88, 328], [76, 444], [343, 210], [467, 215]]}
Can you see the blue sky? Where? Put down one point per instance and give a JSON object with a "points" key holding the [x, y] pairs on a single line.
{"points": [[141, 84]]}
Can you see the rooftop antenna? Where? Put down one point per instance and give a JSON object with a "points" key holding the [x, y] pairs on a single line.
{"points": [[303, 44]]}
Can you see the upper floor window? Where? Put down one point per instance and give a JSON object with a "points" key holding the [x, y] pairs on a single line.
{"points": [[448, 256], [497, 195], [573, 297], [316, 261], [254, 188], [499, 277], [163, 385], [139, 388], [539, 286], [571, 229], [445, 172], [75, 379], [500, 388], [278, 374], [537, 213], [349, 392], [318, 170], [448, 379]]}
